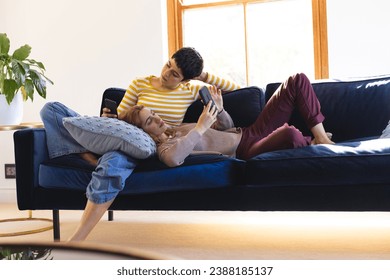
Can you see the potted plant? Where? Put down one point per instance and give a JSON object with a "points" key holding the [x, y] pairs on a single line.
{"points": [[20, 73], [22, 252]]}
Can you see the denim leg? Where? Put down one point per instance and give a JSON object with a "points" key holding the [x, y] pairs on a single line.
{"points": [[110, 176], [59, 140]]}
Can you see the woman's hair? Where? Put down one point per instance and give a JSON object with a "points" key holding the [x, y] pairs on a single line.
{"points": [[131, 116], [189, 61]]}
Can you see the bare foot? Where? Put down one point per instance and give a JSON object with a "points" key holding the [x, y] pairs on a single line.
{"points": [[90, 158], [324, 140]]}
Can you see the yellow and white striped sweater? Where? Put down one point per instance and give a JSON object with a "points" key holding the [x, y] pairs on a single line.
{"points": [[170, 105]]}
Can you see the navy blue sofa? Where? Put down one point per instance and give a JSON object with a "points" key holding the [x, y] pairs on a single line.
{"points": [[352, 175]]}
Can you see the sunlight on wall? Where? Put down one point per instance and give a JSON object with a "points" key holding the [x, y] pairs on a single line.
{"points": [[358, 44]]}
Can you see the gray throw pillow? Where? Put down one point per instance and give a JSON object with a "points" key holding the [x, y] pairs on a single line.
{"points": [[386, 132], [100, 135]]}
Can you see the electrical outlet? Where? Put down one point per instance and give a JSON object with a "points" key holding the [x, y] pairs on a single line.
{"points": [[10, 171]]}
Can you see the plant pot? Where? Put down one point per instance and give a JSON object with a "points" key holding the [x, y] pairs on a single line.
{"points": [[11, 114]]}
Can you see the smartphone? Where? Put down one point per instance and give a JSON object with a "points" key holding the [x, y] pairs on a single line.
{"points": [[206, 96], [111, 104]]}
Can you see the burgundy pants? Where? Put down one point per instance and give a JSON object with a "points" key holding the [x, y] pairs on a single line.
{"points": [[270, 131]]}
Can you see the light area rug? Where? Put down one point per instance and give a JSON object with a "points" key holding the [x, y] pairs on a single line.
{"points": [[226, 235]]}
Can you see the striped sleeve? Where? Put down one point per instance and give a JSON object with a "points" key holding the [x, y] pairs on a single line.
{"points": [[223, 84], [130, 98]]}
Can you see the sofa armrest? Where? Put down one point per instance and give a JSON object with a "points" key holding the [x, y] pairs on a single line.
{"points": [[30, 151]]}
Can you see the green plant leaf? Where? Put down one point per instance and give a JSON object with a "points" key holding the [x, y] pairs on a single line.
{"points": [[36, 63], [29, 89], [25, 66], [19, 71], [47, 79], [10, 88], [22, 53], [4, 43], [39, 82]]}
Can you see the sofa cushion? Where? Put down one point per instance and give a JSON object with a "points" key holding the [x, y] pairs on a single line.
{"points": [[150, 176], [349, 163], [243, 105], [100, 135], [352, 109], [386, 131], [198, 172], [68, 172]]}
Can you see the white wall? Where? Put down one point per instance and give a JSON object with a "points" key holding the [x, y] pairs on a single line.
{"points": [[86, 46], [358, 38]]}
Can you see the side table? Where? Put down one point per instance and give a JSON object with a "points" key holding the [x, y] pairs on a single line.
{"points": [[29, 218]]}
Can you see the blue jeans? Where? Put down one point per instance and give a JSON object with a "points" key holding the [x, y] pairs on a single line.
{"points": [[113, 168], [59, 140]]}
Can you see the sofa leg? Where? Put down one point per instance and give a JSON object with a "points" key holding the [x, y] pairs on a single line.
{"points": [[56, 225], [110, 215]]}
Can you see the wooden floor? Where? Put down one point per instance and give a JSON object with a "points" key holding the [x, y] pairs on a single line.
{"points": [[225, 235]]}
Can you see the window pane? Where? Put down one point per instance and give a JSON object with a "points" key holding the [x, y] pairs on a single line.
{"points": [[218, 34], [280, 40]]}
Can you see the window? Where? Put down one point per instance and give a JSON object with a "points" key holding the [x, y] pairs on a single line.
{"points": [[253, 42], [217, 33]]}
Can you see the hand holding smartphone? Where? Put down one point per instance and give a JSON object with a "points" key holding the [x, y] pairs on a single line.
{"points": [[206, 96], [111, 104]]}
